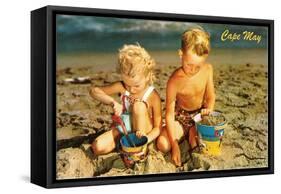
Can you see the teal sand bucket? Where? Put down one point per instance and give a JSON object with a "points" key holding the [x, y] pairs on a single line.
{"points": [[210, 136]]}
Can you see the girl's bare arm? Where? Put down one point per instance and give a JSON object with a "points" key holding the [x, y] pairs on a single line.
{"points": [[103, 93], [157, 117]]}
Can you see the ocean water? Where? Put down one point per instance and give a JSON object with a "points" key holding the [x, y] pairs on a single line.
{"points": [[107, 34], [107, 61]]}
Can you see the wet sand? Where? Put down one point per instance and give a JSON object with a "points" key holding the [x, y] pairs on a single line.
{"points": [[241, 95]]}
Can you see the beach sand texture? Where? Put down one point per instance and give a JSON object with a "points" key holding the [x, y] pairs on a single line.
{"points": [[241, 95]]}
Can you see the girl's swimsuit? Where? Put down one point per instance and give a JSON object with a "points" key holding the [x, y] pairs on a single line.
{"points": [[127, 102]]}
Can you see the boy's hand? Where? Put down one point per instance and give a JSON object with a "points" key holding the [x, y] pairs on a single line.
{"points": [[176, 154], [118, 108], [139, 134], [205, 111]]}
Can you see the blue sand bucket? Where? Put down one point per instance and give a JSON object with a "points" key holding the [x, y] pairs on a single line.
{"points": [[210, 136], [130, 153]]}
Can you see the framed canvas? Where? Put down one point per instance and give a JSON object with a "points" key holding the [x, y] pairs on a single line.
{"points": [[126, 96]]}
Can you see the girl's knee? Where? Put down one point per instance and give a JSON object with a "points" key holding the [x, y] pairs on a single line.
{"points": [[97, 147], [163, 144], [139, 108]]}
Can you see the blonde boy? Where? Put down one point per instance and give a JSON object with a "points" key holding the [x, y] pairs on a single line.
{"points": [[190, 90], [138, 98]]}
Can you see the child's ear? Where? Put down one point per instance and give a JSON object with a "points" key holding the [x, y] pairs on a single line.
{"points": [[180, 53]]}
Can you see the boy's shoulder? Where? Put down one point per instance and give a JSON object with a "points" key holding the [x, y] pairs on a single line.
{"points": [[208, 66], [177, 74]]}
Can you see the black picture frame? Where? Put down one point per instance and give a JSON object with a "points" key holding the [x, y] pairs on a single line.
{"points": [[43, 96]]}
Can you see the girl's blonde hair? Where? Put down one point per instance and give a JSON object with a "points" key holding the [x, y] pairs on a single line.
{"points": [[134, 59], [196, 39]]}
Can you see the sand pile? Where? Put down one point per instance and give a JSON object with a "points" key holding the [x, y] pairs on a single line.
{"points": [[212, 120]]}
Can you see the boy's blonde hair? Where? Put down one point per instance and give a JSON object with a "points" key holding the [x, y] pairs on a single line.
{"points": [[196, 39], [134, 59]]}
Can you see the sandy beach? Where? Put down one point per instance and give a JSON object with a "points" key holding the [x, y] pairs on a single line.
{"points": [[240, 79]]}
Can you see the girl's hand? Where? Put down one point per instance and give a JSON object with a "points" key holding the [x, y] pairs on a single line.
{"points": [[205, 111], [132, 99], [118, 108], [139, 134]]}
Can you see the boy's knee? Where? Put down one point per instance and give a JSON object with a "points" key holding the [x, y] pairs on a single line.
{"points": [[163, 144], [139, 108], [193, 137]]}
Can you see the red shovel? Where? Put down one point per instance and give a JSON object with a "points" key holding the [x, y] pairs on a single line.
{"points": [[119, 121]]}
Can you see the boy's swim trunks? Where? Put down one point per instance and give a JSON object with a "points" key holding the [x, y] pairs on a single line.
{"points": [[184, 117]]}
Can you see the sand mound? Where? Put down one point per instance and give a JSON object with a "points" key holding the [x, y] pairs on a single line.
{"points": [[73, 163]]}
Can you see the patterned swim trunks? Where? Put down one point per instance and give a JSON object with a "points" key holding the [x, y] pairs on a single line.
{"points": [[184, 117]]}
